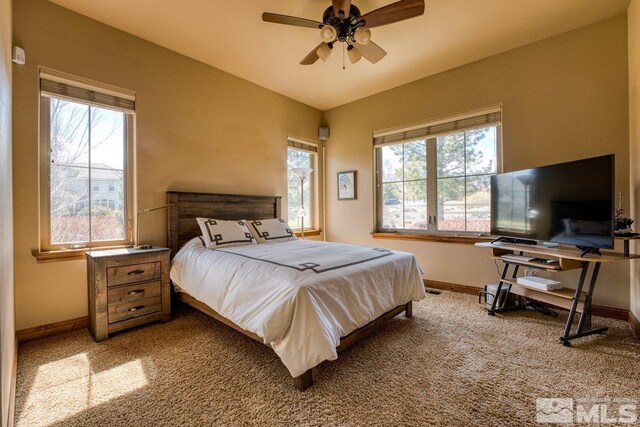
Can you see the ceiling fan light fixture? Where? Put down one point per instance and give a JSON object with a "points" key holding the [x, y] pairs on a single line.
{"points": [[328, 33], [354, 54], [324, 51], [362, 36]]}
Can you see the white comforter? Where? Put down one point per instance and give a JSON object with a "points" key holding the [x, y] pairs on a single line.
{"points": [[300, 296]]}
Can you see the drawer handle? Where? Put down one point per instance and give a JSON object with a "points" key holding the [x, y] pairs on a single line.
{"points": [[132, 272], [137, 291], [140, 307]]}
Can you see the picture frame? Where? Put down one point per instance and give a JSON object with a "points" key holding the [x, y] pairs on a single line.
{"points": [[348, 185]]}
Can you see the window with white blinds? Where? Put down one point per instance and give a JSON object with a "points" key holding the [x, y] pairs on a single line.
{"points": [[86, 134], [436, 177]]}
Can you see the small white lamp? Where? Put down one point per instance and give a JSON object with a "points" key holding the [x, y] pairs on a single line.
{"points": [[137, 244], [302, 173]]}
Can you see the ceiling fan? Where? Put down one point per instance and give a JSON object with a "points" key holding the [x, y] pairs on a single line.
{"points": [[343, 22]]}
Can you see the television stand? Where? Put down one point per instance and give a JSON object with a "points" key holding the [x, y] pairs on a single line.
{"points": [[574, 300], [515, 241]]}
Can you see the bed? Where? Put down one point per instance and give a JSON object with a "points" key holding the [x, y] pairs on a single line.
{"points": [[306, 300]]}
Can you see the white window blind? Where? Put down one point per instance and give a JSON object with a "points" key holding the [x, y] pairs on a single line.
{"points": [[441, 128], [300, 145], [60, 86]]}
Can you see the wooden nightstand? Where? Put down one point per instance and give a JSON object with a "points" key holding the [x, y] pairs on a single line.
{"points": [[127, 288]]}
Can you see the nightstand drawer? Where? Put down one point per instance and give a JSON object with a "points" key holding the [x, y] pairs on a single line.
{"points": [[136, 292], [130, 310], [133, 273]]}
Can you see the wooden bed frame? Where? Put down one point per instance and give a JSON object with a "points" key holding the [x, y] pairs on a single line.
{"points": [[182, 227]]}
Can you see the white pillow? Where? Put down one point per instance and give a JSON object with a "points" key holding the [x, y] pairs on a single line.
{"points": [[223, 234], [271, 230]]}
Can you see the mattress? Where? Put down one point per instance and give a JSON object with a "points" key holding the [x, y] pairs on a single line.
{"points": [[299, 296]]}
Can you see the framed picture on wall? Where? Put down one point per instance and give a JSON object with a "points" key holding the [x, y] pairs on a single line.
{"points": [[347, 185]]}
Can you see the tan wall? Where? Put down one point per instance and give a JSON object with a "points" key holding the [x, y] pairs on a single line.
{"points": [[563, 98], [197, 129], [7, 318], [633, 16]]}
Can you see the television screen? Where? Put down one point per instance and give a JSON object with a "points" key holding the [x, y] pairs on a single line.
{"points": [[567, 203]]}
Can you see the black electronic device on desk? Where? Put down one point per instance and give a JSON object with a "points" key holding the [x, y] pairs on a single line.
{"points": [[567, 203]]}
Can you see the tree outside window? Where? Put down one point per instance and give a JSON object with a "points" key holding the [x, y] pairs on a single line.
{"points": [[466, 161]]}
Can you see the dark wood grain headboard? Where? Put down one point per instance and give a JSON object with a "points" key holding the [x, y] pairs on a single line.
{"points": [[182, 224]]}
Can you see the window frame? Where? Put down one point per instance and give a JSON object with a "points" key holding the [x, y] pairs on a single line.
{"points": [[312, 184], [45, 182], [432, 184]]}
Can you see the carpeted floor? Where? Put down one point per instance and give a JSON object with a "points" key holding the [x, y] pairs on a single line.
{"points": [[450, 364]]}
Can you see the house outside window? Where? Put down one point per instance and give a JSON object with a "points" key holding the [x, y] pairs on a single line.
{"points": [[436, 177], [300, 155], [86, 142]]}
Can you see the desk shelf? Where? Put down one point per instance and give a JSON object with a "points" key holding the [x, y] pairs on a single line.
{"points": [[537, 265], [560, 298]]}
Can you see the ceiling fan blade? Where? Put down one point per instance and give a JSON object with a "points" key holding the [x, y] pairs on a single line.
{"points": [[398, 11], [312, 57], [341, 5], [371, 51], [290, 20]]}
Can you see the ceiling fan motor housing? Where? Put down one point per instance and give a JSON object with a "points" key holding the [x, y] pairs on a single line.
{"points": [[346, 26]]}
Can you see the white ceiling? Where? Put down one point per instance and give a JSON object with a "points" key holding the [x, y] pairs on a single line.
{"points": [[231, 36]]}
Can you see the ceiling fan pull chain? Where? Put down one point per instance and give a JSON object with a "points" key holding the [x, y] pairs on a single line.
{"points": [[343, 48]]}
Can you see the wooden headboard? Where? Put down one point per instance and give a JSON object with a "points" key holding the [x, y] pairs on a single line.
{"points": [[182, 224]]}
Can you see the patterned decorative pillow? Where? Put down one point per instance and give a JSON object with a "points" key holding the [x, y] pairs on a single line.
{"points": [[271, 230], [223, 234]]}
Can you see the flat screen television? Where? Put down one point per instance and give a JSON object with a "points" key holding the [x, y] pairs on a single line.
{"points": [[567, 203]]}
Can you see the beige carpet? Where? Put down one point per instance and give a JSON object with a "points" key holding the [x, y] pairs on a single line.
{"points": [[451, 364]]}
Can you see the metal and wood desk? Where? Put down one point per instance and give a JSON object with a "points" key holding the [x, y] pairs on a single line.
{"points": [[576, 301]]}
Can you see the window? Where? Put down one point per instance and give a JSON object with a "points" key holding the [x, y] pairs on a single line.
{"points": [[85, 140], [300, 155], [436, 178]]}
